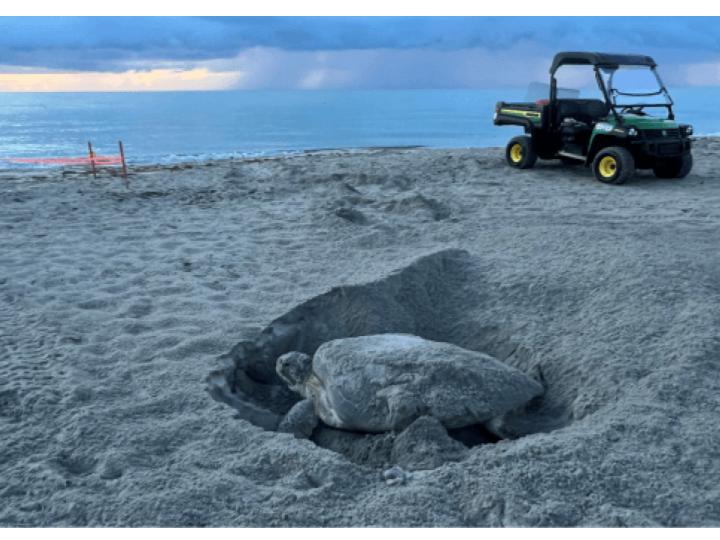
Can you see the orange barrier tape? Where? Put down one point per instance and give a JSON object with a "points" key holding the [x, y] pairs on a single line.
{"points": [[98, 160], [92, 159]]}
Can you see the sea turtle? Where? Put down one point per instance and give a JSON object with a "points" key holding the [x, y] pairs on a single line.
{"points": [[384, 382]]}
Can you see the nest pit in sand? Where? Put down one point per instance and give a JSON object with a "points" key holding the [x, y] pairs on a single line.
{"points": [[434, 297]]}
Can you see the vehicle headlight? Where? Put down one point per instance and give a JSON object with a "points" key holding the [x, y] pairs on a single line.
{"points": [[632, 132], [688, 130]]}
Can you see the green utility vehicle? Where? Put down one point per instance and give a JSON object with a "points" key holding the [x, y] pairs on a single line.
{"points": [[614, 134]]}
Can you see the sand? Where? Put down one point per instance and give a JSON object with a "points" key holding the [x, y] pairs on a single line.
{"points": [[116, 304]]}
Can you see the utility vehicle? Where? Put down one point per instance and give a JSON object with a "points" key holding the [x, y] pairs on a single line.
{"points": [[614, 134]]}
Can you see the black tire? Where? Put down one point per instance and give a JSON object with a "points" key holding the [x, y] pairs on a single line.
{"points": [[519, 152], [613, 165], [674, 168]]}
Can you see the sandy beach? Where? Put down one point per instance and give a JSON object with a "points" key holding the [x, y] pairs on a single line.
{"points": [[117, 303]]}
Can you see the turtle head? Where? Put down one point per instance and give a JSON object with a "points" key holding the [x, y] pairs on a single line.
{"points": [[294, 368]]}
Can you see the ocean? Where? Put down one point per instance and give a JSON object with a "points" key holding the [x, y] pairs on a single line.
{"points": [[168, 127]]}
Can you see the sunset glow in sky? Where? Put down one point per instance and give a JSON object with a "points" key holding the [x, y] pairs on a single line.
{"points": [[68, 54], [158, 80]]}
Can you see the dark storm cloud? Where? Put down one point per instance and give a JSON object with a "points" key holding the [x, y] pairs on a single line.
{"points": [[85, 43]]}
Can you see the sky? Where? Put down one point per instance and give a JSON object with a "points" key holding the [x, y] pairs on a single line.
{"points": [[214, 53]]}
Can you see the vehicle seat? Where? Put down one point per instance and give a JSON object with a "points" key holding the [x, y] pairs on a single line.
{"points": [[587, 111]]}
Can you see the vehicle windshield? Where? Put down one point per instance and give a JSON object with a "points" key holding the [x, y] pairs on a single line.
{"points": [[633, 86], [577, 82]]}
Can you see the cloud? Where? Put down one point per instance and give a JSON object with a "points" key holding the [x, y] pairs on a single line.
{"points": [[109, 44], [386, 68], [419, 68], [128, 81], [347, 52], [272, 68], [703, 74]]}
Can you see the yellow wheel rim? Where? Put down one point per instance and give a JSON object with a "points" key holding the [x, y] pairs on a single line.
{"points": [[607, 167], [516, 153]]}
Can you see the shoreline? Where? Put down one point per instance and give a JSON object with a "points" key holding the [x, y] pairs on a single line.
{"points": [[321, 152]]}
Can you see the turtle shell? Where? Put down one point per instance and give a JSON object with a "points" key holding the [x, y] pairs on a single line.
{"points": [[384, 382]]}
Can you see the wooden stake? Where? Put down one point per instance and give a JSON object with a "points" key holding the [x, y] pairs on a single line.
{"points": [[92, 160], [122, 158]]}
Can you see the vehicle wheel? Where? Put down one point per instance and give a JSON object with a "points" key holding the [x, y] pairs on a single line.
{"points": [[674, 168], [613, 165], [519, 152]]}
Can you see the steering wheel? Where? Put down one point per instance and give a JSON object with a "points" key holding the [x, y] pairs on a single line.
{"points": [[634, 109]]}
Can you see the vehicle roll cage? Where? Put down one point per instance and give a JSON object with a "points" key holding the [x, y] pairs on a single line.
{"points": [[611, 62]]}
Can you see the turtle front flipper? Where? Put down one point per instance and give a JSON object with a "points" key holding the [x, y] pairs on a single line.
{"points": [[403, 408], [301, 420]]}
